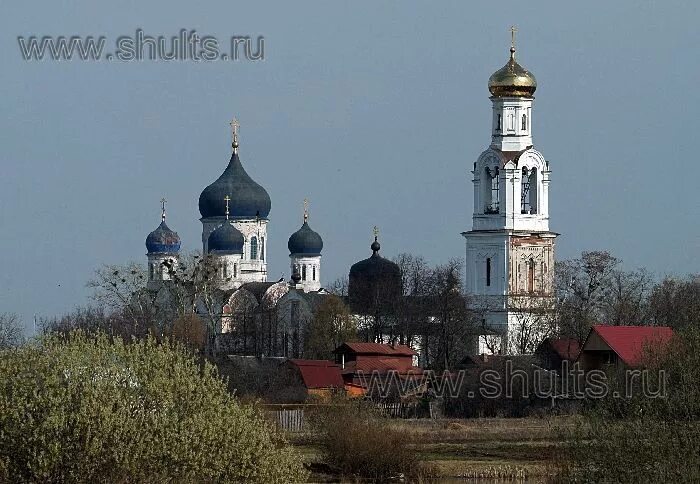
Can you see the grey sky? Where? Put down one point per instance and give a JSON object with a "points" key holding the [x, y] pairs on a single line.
{"points": [[375, 111]]}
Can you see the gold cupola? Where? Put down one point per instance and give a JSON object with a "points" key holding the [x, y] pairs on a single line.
{"points": [[512, 80]]}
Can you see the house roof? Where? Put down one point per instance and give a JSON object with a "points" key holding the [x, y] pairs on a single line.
{"points": [[628, 342], [565, 348], [375, 349], [380, 365], [319, 373]]}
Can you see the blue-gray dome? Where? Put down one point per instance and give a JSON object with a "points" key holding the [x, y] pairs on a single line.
{"points": [[163, 240], [374, 283], [305, 241], [248, 199], [226, 239]]}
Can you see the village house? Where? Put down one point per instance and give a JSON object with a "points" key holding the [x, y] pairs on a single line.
{"points": [[621, 346]]}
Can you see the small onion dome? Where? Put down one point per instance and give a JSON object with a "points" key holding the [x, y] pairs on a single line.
{"points": [[374, 283], [305, 241], [163, 240], [248, 199], [226, 239], [512, 80]]}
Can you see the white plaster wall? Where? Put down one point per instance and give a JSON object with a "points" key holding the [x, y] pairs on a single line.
{"points": [[311, 263], [252, 270], [511, 136]]}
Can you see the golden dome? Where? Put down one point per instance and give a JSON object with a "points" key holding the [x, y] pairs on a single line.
{"points": [[512, 80]]}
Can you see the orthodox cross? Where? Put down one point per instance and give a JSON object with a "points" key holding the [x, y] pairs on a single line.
{"points": [[235, 125], [376, 232], [227, 199], [162, 208], [513, 30], [306, 210]]}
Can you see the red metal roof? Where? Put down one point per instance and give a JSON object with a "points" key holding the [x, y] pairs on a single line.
{"points": [[629, 341], [376, 349], [319, 373], [381, 365], [566, 348]]}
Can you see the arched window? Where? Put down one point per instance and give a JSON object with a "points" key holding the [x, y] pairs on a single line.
{"points": [[525, 192], [531, 276], [314, 273], [254, 248], [524, 126], [492, 177], [235, 270], [262, 248], [151, 271], [528, 191], [303, 273], [488, 271], [498, 122], [225, 270]]}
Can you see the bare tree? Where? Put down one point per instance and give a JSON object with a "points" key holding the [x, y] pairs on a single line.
{"points": [[533, 320], [625, 298], [675, 302], [339, 287], [580, 285], [11, 333]]}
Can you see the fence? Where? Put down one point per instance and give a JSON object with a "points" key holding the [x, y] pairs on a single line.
{"points": [[289, 419]]}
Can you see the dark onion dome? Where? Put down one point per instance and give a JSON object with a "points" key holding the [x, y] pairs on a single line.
{"points": [[226, 239], [163, 240], [512, 80], [374, 284], [305, 242], [248, 199]]}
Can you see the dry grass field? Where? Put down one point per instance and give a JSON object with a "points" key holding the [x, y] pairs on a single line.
{"points": [[492, 450]]}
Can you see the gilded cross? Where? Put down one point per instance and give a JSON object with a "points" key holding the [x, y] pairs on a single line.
{"points": [[227, 199], [162, 208], [235, 125], [513, 30]]}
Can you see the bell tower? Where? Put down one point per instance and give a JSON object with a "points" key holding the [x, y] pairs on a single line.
{"points": [[510, 249]]}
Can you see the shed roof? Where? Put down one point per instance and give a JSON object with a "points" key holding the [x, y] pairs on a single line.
{"points": [[628, 342], [319, 373], [375, 349]]}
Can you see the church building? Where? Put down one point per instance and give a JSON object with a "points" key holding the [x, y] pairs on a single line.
{"points": [[510, 249]]}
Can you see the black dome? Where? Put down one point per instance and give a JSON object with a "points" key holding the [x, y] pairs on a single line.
{"points": [[305, 241], [226, 239], [248, 199], [374, 283], [162, 240]]}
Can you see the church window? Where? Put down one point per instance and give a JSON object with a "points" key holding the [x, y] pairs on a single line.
{"points": [[235, 270], [528, 193], [525, 192], [225, 270], [488, 271], [150, 271], [262, 248], [303, 273], [524, 126], [511, 122], [314, 273], [492, 206], [254, 248], [531, 276], [498, 122]]}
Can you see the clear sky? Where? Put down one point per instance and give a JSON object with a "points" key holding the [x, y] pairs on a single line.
{"points": [[375, 111]]}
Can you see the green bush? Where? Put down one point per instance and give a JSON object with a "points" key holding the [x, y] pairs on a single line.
{"points": [[88, 409], [358, 441]]}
